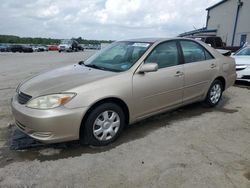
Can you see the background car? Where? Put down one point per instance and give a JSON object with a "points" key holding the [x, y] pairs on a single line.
{"points": [[215, 41], [35, 48], [53, 48], [39, 48], [242, 59], [4, 48], [27, 48], [69, 45], [20, 48], [43, 48]]}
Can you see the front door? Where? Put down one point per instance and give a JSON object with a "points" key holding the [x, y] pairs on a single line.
{"points": [[155, 91]]}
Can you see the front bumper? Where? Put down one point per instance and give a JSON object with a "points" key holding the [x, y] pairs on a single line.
{"points": [[243, 73], [49, 126]]}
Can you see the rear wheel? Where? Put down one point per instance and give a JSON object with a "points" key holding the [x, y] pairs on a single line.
{"points": [[103, 125], [214, 93]]}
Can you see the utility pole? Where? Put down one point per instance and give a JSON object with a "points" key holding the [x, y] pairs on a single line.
{"points": [[239, 5]]}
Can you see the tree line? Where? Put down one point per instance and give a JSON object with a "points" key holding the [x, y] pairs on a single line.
{"points": [[38, 40]]}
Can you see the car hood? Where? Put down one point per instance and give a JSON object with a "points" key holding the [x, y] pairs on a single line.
{"points": [[62, 79], [242, 60]]}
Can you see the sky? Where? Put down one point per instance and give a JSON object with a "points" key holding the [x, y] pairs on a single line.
{"points": [[102, 19]]}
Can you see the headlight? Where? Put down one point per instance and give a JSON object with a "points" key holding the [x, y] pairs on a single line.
{"points": [[50, 101]]}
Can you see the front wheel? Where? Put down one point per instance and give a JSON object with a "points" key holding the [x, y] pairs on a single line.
{"points": [[214, 93], [103, 125]]}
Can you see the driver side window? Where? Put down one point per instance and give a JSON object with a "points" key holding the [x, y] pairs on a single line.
{"points": [[165, 55]]}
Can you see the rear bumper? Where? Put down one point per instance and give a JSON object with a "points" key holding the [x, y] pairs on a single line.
{"points": [[49, 126]]}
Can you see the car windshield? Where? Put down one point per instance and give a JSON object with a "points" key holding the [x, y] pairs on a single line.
{"points": [[244, 51], [119, 56]]}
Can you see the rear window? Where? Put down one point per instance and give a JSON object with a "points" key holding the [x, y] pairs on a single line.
{"points": [[194, 52]]}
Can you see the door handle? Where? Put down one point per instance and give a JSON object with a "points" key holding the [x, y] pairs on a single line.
{"points": [[213, 65], [179, 74]]}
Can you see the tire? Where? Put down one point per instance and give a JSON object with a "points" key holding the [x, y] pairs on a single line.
{"points": [[214, 93], [99, 128]]}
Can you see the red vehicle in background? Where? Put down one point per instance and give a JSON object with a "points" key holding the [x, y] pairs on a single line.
{"points": [[53, 48]]}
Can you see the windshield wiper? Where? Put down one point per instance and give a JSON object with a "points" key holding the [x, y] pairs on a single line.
{"points": [[96, 67], [89, 65]]}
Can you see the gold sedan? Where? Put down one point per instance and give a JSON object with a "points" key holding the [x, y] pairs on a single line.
{"points": [[123, 83]]}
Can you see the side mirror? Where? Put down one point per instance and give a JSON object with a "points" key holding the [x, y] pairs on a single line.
{"points": [[81, 62], [148, 67]]}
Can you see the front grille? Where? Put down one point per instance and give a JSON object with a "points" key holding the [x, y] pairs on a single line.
{"points": [[246, 77], [23, 98]]}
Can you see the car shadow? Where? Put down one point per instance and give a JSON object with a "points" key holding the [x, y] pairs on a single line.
{"points": [[22, 147], [242, 84]]}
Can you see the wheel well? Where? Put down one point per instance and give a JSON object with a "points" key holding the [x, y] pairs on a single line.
{"points": [[223, 81], [117, 101]]}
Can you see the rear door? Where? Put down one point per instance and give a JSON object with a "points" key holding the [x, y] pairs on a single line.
{"points": [[200, 67]]}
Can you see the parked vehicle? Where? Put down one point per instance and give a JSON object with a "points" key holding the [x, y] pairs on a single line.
{"points": [[242, 59], [4, 48], [92, 46], [216, 42], [69, 45], [39, 48], [124, 83], [16, 48], [43, 48], [34, 48], [53, 48], [20, 48]]}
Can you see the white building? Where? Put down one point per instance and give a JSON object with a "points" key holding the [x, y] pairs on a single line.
{"points": [[231, 19]]}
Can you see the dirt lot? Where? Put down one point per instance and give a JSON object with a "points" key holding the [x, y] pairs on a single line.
{"points": [[190, 147]]}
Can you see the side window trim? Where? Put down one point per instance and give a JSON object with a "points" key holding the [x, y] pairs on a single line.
{"points": [[180, 52]]}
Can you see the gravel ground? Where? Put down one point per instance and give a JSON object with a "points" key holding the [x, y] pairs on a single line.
{"points": [[190, 147]]}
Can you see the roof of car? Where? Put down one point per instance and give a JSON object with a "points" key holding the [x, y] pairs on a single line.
{"points": [[202, 36], [151, 40]]}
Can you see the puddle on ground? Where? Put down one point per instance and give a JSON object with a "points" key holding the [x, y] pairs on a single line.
{"points": [[247, 175], [21, 147]]}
